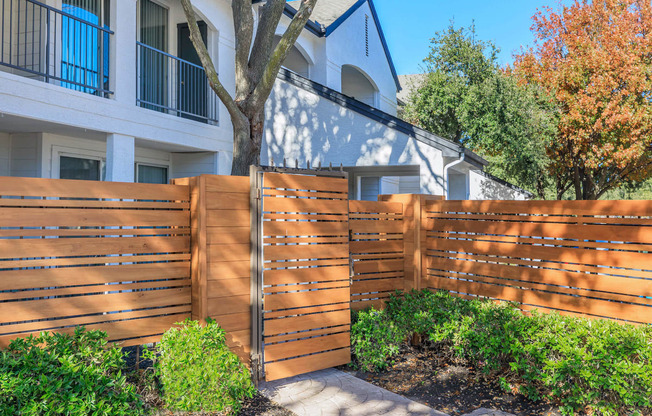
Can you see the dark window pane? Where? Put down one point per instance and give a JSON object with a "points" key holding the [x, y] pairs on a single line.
{"points": [[152, 174], [78, 168]]}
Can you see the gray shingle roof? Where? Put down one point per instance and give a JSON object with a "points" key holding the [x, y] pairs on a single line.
{"points": [[326, 11], [409, 83]]}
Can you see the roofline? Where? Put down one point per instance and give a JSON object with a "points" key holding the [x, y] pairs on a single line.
{"points": [[343, 17], [449, 148], [311, 25], [385, 47], [321, 31], [503, 182]]}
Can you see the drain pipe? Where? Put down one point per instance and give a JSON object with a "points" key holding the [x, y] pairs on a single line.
{"points": [[448, 166]]}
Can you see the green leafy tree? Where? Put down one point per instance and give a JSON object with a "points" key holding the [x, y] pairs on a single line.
{"points": [[595, 60], [469, 99]]}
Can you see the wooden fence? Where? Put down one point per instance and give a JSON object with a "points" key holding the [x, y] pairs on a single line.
{"points": [[132, 259], [220, 255], [588, 258], [376, 249], [110, 256]]}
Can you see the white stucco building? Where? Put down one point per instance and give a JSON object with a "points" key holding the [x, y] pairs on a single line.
{"points": [[111, 90]]}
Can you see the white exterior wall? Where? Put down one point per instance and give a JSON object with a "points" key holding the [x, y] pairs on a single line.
{"points": [[193, 164], [304, 126], [346, 46], [25, 154], [482, 187]]}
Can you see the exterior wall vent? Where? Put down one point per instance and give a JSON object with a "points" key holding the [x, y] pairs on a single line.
{"points": [[366, 34]]}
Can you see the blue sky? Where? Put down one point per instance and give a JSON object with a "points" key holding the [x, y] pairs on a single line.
{"points": [[410, 24]]}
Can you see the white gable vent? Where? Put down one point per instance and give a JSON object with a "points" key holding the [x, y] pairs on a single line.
{"points": [[366, 34]]}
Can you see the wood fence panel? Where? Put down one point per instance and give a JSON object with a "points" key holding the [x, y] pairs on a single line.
{"points": [[106, 255], [588, 258], [306, 295], [376, 233], [221, 258]]}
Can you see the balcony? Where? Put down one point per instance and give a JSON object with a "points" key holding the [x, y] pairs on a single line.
{"points": [[172, 85], [68, 47]]}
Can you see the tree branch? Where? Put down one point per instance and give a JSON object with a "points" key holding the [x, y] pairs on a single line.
{"points": [[207, 62], [270, 15], [243, 23], [264, 87]]}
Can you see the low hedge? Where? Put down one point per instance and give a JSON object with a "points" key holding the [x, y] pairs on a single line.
{"points": [[589, 364], [60, 374]]}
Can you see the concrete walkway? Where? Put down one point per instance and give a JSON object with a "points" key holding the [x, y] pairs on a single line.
{"points": [[332, 393]]}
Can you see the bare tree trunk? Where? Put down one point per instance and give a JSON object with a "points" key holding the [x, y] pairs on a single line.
{"points": [[248, 139], [577, 181], [256, 67]]}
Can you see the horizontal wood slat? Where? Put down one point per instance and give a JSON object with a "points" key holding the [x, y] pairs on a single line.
{"points": [[375, 207], [563, 208], [312, 274], [581, 257], [86, 260], [314, 345], [292, 228], [312, 251], [288, 368], [79, 217], [323, 206], [61, 247], [304, 182], [65, 188], [308, 298], [307, 322]]}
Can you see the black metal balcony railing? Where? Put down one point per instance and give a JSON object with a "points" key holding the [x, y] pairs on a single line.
{"points": [[39, 41], [171, 85]]}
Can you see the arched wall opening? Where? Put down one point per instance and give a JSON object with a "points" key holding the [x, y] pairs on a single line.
{"points": [[296, 61], [358, 85]]}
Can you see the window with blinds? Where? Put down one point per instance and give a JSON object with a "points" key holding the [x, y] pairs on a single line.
{"points": [[154, 71]]}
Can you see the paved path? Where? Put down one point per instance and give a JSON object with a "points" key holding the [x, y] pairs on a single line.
{"points": [[332, 392]]}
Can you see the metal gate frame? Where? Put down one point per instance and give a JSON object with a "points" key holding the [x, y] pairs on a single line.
{"points": [[256, 254]]}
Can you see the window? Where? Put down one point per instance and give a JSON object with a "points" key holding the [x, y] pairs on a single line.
{"points": [[154, 63], [151, 174], [369, 188], [80, 168]]}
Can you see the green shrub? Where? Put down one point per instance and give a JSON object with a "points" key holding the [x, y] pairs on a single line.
{"points": [[481, 331], [374, 339], [198, 372], [591, 364], [54, 374], [595, 363]]}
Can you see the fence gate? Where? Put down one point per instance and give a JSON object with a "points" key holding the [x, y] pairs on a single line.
{"points": [[300, 270]]}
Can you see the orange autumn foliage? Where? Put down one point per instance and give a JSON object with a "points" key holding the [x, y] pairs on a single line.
{"points": [[595, 60]]}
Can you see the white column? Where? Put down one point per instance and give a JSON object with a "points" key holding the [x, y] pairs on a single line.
{"points": [[120, 158], [223, 163], [333, 76], [123, 50]]}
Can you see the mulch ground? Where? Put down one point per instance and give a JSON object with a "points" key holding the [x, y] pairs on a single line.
{"points": [[443, 384]]}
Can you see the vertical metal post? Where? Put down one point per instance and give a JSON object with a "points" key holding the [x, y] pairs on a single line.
{"points": [[256, 289], [100, 71]]}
